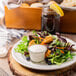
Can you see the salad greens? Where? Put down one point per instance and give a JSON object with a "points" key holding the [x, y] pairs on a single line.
{"points": [[23, 46], [59, 59], [59, 50], [35, 33]]}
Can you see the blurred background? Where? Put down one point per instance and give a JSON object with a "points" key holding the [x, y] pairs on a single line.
{"points": [[15, 17]]}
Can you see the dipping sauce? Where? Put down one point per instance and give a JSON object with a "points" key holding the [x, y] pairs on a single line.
{"points": [[37, 52]]}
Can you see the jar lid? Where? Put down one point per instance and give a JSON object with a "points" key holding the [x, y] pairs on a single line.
{"points": [[47, 10]]}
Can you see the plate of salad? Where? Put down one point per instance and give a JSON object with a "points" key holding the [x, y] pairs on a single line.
{"points": [[60, 51]]}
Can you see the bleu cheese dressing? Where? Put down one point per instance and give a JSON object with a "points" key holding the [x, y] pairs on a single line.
{"points": [[37, 52]]}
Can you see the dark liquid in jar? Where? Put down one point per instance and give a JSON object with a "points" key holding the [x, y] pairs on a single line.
{"points": [[50, 23]]}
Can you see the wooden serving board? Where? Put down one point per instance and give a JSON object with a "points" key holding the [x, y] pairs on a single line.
{"points": [[19, 70]]}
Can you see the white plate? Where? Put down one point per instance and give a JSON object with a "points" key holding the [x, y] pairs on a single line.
{"points": [[68, 8], [41, 66]]}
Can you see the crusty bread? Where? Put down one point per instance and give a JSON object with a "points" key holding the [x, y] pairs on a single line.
{"points": [[68, 3], [25, 5], [31, 1], [36, 5]]}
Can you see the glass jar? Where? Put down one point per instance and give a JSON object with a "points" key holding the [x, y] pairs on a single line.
{"points": [[50, 20], [4, 43]]}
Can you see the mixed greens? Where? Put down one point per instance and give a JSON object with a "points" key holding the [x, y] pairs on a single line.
{"points": [[59, 50], [23, 46]]}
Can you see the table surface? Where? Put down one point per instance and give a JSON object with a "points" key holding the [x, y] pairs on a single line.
{"points": [[4, 61]]}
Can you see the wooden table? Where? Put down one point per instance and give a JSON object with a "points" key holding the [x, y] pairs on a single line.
{"points": [[4, 61]]}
